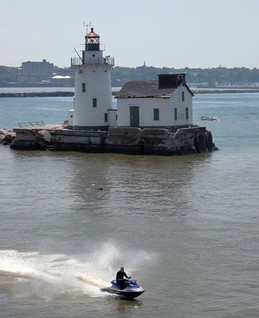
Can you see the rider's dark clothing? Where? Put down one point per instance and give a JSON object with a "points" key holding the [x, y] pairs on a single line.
{"points": [[120, 278]]}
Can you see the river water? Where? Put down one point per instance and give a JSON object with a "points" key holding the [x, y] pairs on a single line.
{"points": [[185, 227]]}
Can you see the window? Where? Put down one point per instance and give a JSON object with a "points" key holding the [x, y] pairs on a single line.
{"points": [[175, 114], [156, 113], [182, 96], [94, 102], [105, 117], [83, 88], [187, 113]]}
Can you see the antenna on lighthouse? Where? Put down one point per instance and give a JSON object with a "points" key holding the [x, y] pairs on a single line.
{"points": [[86, 26]]}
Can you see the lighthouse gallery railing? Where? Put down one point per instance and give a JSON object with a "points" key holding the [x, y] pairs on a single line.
{"points": [[106, 60]]}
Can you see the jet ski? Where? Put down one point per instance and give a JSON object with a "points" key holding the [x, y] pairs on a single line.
{"points": [[132, 289]]}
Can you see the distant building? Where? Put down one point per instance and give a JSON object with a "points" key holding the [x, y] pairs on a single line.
{"points": [[36, 72], [163, 103], [43, 68]]}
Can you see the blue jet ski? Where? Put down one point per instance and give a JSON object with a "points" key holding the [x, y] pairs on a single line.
{"points": [[132, 289]]}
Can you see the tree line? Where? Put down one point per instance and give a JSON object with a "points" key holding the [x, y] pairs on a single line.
{"points": [[209, 77], [199, 77]]}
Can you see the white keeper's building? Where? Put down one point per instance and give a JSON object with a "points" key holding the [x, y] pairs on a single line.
{"points": [[166, 102]]}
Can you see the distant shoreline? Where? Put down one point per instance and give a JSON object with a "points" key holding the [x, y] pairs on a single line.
{"points": [[69, 91]]}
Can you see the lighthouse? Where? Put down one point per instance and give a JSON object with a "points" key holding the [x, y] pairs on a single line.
{"points": [[93, 93]]}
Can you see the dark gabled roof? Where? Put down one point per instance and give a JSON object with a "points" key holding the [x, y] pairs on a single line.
{"points": [[147, 89], [141, 89]]}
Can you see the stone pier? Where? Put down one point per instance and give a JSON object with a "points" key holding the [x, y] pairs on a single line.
{"points": [[128, 140]]}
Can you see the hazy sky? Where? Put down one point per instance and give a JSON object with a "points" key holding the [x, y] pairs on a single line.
{"points": [[170, 33]]}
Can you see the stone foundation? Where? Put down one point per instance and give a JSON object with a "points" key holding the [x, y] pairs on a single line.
{"points": [[128, 140]]}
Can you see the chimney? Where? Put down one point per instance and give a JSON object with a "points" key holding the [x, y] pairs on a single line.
{"points": [[170, 80]]}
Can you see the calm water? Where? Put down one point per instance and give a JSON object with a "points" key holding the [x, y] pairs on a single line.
{"points": [[185, 227]]}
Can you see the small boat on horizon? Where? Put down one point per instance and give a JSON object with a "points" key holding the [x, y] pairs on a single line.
{"points": [[206, 117]]}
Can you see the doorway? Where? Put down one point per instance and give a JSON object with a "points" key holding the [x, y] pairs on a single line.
{"points": [[134, 116]]}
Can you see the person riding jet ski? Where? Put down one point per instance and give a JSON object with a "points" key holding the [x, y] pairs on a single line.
{"points": [[124, 286], [120, 278]]}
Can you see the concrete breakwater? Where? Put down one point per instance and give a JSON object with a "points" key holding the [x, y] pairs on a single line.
{"points": [[6, 136], [224, 90], [68, 93], [37, 94], [128, 140]]}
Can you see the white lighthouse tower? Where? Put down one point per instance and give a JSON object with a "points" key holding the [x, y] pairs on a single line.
{"points": [[93, 93]]}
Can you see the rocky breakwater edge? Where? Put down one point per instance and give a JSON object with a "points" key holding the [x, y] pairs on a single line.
{"points": [[6, 136], [127, 140]]}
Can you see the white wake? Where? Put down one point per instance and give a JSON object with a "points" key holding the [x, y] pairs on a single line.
{"points": [[31, 274]]}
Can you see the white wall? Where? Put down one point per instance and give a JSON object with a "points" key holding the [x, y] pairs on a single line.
{"points": [[112, 117], [97, 81], [166, 109], [176, 101]]}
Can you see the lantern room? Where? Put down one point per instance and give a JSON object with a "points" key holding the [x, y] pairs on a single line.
{"points": [[92, 41]]}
